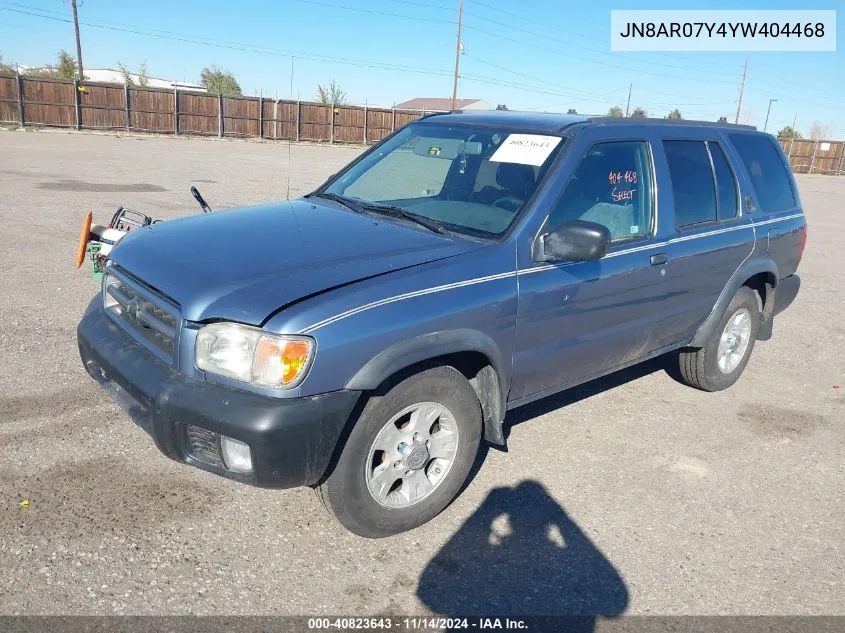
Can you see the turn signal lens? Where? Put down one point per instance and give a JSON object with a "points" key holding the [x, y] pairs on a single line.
{"points": [[280, 362], [294, 360]]}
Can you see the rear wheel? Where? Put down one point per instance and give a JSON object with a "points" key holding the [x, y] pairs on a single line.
{"points": [[720, 362], [407, 456]]}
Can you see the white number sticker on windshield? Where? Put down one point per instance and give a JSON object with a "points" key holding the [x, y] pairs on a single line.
{"points": [[525, 149]]}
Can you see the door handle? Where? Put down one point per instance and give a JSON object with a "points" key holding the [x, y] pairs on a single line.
{"points": [[659, 259]]}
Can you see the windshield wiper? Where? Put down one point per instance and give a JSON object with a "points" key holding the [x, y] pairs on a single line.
{"points": [[389, 209], [349, 203]]}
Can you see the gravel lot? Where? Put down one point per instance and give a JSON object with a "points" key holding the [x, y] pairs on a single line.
{"points": [[669, 500]]}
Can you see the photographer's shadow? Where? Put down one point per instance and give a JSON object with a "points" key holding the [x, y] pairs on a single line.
{"points": [[520, 554]]}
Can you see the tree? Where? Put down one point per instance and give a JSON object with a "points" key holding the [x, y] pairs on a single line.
{"points": [[723, 120], [501, 106], [5, 68], [787, 132], [331, 94], [127, 75], [220, 82], [639, 113], [616, 112], [572, 111], [819, 131], [66, 66], [143, 75], [674, 115]]}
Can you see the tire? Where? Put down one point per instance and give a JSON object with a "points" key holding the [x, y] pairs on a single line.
{"points": [[363, 467], [706, 368]]}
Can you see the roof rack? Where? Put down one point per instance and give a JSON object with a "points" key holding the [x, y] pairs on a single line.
{"points": [[439, 113], [690, 122]]}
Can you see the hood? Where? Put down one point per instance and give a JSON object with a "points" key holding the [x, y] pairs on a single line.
{"points": [[245, 264]]}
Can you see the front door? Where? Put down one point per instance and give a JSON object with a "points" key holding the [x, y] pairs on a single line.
{"points": [[580, 319]]}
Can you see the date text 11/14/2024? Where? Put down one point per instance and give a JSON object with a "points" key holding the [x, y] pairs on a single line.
{"points": [[433, 623]]}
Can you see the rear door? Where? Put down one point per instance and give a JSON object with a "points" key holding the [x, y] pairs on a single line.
{"points": [[710, 236], [581, 319], [773, 197]]}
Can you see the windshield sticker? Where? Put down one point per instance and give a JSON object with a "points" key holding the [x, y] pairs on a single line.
{"points": [[622, 195], [525, 149], [433, 151], [617, 177]]}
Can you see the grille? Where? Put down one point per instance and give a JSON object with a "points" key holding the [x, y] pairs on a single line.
{"points": [[205, 446], [144, 314]]}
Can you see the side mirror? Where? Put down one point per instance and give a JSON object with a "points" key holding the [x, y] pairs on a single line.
{"points": [[574, 241]]}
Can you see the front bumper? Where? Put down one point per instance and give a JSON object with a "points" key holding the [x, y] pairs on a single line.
{"points": [[292, 440]]}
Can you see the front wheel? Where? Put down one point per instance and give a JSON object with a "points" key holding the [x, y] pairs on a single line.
{"points": [[720, 362], [407, 456]]}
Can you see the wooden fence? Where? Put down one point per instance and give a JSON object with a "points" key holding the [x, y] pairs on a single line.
{"points": [[105, 106], [815, 157]]}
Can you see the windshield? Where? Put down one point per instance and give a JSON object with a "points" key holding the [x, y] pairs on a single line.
{"points": [[471, 180]]}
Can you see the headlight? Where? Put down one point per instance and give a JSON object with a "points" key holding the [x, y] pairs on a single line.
{"points": [[253, 355]]}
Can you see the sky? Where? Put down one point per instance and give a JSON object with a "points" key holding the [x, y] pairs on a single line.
{"points": [[544, 55]]}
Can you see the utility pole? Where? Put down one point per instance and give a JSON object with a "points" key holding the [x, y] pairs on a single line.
{"points": [[291, 75], [457, 54], [794, 120], [628, 107], [78, 42], [741, 89], [766, 124]]}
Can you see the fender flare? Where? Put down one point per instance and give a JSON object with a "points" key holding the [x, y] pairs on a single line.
{"points": [[407, 353], [740, 276]]}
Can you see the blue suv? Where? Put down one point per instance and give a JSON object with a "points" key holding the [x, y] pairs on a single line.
{"points": [[364, 339]]}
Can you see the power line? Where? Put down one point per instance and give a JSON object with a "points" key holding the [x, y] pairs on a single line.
{"points": [[511, 27], [599, 51], [814, 87], [586, 94], [205, 41], [584, 59], [246, 48], [424, 4], [516, 86], [573, 91], [629, 60], [522, 87], [374, 12], [190, 39], [535, 20]]}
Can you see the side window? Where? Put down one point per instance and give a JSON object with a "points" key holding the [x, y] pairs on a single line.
{"points": [[692, 182], [610, 186], [725, 183], [767, 171]]}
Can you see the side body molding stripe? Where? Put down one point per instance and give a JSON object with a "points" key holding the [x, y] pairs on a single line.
{"points": [[528, 271]]}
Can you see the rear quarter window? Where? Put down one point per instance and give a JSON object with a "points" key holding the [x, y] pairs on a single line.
{"points": [[768, 173]]}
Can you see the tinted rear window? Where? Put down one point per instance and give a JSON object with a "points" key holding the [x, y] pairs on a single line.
{"points": [[768, 173], [725, 182], [692, 182]]}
